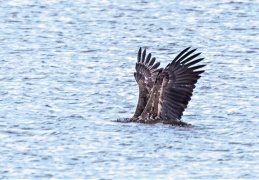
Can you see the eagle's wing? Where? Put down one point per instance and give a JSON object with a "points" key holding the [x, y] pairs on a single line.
{"points": [[173, 88], [145, 75]]}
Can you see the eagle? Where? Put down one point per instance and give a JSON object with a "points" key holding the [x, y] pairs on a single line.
{"points": [[164, 93]]}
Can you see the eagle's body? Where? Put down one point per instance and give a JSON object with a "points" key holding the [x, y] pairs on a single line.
{"points": [[164, 93]]}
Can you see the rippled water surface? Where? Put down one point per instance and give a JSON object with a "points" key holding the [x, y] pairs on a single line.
{"points": [[66, 71]]}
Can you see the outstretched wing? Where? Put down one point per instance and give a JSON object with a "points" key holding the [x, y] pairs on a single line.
{"points": [[183, 74], [145, 75], [173, 88]]}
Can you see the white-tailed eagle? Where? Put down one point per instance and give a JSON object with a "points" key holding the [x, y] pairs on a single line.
{"points": [[164, 93]]}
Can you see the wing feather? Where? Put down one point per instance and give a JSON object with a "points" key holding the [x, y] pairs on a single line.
{"points": [[186, 55], [180, 54], [193, 62], [152, 62], [182, 79], [164, 94], [155, 66], [143, 56], [145, 76]]}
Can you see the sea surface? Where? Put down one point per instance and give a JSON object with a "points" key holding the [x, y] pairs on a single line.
{"points": [[66, 73]]}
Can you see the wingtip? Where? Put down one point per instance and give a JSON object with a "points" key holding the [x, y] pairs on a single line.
{"points": [[144, 55], [181, 54], [148, 58], [186, 49], [195, 49], [139, 54]]}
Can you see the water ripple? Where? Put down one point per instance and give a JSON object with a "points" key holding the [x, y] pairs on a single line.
{"points": [[67, 73]]}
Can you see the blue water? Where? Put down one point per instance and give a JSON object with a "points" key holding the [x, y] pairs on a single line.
{"points": [[66, 72]]}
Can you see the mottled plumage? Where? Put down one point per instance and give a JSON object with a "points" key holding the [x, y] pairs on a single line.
{"points": [[164, 93]]}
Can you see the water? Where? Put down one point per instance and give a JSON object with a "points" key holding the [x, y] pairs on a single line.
{"points": [[67, 72]]}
